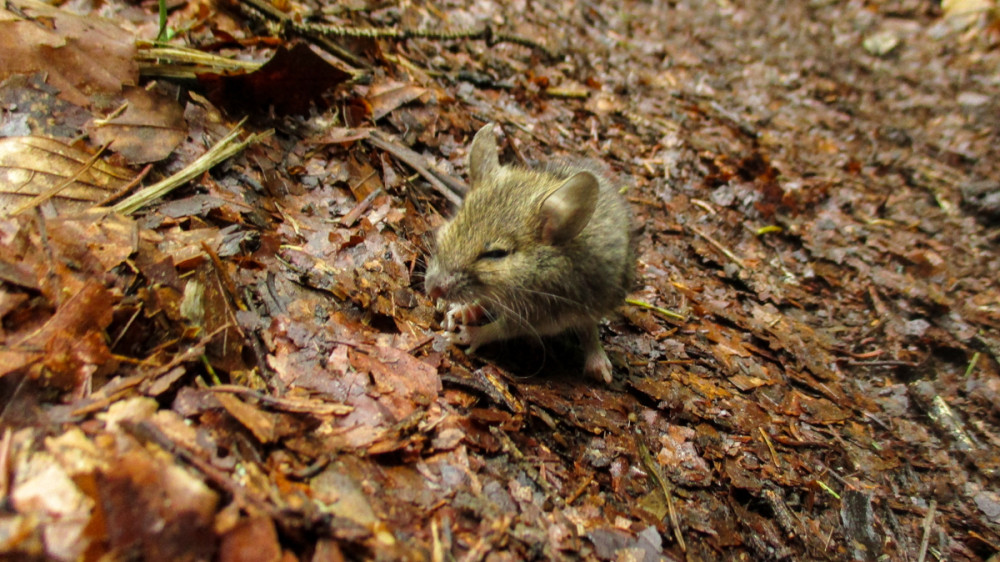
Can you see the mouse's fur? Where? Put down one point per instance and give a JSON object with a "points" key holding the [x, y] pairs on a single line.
{"points": [[538, 252]]}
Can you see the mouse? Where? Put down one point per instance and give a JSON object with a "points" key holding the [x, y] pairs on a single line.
{"points": [[532, 252]]}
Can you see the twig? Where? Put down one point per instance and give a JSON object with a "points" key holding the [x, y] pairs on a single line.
{"points": [[450, 192], [263, 12], [127, 187], [315, 407], [710, 107], [184, 62], [657, 309], [5, 447], [313, 30], [928, 521], [718, 246], [146, 432], [836, 477], [571, 93], [770, 447], [659, 479], [222, 151], [882, 363], [354, 214], [580, 489]]}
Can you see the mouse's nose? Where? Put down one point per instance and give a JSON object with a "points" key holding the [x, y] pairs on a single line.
{"points": [[435, 291], [437, 284]]}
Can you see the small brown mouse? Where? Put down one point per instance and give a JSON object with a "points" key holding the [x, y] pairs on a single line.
{"points": [[536, 252]]}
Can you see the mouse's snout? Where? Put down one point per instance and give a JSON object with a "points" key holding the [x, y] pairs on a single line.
{"points": [[435, 291], [437, 284]]}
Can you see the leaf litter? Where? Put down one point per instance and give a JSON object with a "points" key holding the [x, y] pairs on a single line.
{"points": [[237, 360]]}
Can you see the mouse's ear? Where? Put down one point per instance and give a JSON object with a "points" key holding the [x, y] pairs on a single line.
{"points": [[568, 209], [483, 159]]}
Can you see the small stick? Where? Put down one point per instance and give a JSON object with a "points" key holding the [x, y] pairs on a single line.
{"points": [[580, 489], [304, 406], [719, 247], [416, 161], [770, 446], [263, 11], [882, 363], [486, 33], [354, 214], [928, 521], [5, 445], [654, 472], [127, 187], [654, 308], [229, 146]]}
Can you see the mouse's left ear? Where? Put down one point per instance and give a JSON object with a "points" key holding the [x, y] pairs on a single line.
{"points": [[483, 158], [568, 208]]}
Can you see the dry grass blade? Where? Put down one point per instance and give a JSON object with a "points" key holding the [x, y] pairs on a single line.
{"points": [[185, 63], [224, 149]]}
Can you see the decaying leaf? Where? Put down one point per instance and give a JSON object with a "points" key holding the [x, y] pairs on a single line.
{"points": [[33, 108], [291, 82], [149, 129], [33, 169], [966, 12], [87, 58], [384, 98]]}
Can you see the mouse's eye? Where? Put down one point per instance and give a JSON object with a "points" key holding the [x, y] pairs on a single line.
{"points": [[493, 254]]}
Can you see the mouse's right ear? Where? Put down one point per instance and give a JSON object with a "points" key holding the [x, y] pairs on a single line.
{"points": [[483, 159], [568, 209]]}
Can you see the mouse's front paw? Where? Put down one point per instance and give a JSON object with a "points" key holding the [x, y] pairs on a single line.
{"points": [[597, 365], [460, 315], [465, 336]]}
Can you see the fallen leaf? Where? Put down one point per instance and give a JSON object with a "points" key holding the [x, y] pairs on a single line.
{"points": [[267, 427], [251, 539], [291, 82], [33, 107], [157, 510], [82, 55], [385, 98], [45, 490], [74, 338], [34, 167], [966, 12], [149, 129]]}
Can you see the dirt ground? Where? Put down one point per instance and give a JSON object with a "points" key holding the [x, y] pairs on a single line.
{"points": [[243, 364]]}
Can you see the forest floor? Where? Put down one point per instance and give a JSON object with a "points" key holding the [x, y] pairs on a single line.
{"points": [[243, 365]]}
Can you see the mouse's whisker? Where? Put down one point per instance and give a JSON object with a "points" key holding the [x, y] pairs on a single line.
{"points": [[554, 298], [519, 311]]}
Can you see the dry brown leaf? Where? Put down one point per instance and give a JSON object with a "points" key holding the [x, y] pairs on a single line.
{"points": [[966, 12], [156, 509], [384, 98], [33, 166], [73, 340], [251, 539], [83, 56], [267, 427], [32, 107], [295, 79], [149, 129]]}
